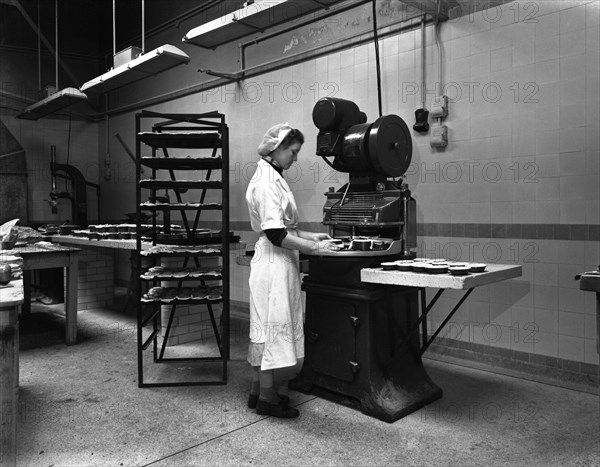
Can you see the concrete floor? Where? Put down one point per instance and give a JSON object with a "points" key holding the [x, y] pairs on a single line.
{"points": [[80, 405]]}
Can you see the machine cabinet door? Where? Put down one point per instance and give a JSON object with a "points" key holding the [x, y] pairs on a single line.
{"points": [[331, 337]]}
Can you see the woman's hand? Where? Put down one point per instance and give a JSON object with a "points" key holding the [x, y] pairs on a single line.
{"points": [[326, 245], [320, 236], [313, 236]]}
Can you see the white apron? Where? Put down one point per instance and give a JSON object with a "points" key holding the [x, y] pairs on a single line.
{"points": [[276, 311]]}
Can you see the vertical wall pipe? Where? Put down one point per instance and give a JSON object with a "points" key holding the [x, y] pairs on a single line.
{"points": [[439, 49], [423, 61], [39, 51], [436, 30], [56, 40], [107, 171], [377, 66]]}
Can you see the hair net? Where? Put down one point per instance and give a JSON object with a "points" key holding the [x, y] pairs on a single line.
{"points": [[273, 138]]}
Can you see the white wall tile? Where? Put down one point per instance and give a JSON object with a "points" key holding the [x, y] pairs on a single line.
{"points": [[591, 351], [546, 344], [572, 92], [501, 59], [572, 43], [570, 300], [546, 48], [545, 274], [572, 19], [547, 25], [592, 215], [572, 212], [570, 348], [571, 324]]}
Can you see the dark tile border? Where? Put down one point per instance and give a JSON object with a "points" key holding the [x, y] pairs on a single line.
{"points": [[558, 369], [576, 232]]}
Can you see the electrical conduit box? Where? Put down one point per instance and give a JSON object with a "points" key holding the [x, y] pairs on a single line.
{"points": [[439, 136], [126, 55], [439, 107]]}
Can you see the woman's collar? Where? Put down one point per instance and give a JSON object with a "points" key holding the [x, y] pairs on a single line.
{"points": [[273, 163]]}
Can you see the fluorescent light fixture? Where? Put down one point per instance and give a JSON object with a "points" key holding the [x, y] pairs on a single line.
{"points": [[252, 17], [148, 64], [53, 103]]}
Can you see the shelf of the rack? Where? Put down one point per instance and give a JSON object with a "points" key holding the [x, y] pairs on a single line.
{"points": [[185, 251], [198, 239], [148, 206], [153, 184], [182, 163], [202, 277], [182, 301], [174, 139]]}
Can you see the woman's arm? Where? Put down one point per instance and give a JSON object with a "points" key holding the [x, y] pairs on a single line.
{"points": [[313, 236], [293, 242]]}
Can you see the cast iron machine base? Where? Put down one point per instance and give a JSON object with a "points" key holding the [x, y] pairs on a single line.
{"points": [[359, 348]]}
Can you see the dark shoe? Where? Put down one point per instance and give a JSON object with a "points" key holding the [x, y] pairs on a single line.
{"points": [[283, 400], [276, 410], [252, 401]]}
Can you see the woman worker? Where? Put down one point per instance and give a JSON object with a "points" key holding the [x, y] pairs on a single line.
{"points": [[276, 349]]}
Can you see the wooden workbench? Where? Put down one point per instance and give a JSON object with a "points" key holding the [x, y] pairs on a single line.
{"points": [[11, 300], [47, 256]]}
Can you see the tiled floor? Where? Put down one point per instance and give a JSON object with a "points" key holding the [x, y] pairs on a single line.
{"points": [[80, 405]]}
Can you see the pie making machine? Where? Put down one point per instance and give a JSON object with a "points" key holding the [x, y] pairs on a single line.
{"points": [[358, 348]]}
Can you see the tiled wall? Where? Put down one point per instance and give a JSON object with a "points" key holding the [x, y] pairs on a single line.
{"points": [[532, 157], [523, 83], [95, 284]]}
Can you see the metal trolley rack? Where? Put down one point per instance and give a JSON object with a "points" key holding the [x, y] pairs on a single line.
{"points": [[188, 144]]}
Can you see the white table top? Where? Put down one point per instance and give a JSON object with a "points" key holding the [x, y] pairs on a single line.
{"points": [[122, 244], [11, 295], [493, 273]]}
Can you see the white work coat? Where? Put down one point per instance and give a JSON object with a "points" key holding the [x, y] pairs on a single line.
{"points": [[276, 310]]}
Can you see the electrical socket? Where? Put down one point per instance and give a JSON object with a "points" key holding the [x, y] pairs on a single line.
{"points": [[439, 107], [438, 136]]}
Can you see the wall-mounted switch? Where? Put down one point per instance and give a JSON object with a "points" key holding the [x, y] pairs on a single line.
{"points": [[439, 107], [438, 136]]}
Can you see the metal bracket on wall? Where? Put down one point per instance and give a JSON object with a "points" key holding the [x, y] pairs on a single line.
{"points": [[233, 76]]}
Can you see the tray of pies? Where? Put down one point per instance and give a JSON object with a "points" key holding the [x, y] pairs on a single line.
{"points": [[164, 273], [172, 294], [182, 163], [175, 250], [181, 139]]}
